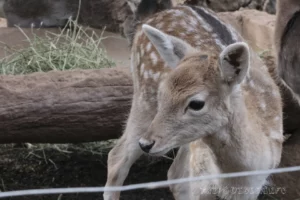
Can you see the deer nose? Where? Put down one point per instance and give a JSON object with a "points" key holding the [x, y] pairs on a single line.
{"points": [[146, 145]]}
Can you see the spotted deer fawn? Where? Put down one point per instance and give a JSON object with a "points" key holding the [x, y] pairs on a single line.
{"points": [[199, 87]]}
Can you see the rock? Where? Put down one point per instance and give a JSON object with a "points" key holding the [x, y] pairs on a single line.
{"points": [[270, 6], [220, 5], [255, 26], [3, 23], [110, 14], [233, 5], [107, 14]]}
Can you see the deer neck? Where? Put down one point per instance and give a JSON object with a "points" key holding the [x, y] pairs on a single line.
{"points": [[231, 142]]}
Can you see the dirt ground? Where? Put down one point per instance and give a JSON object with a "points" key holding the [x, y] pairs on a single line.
{"points": [[43, 167], [22, 168]]}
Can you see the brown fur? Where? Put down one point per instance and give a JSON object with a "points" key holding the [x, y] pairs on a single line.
{"points": [[286, 38]]}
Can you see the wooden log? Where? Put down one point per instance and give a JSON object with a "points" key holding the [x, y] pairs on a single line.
{"points": [[64, 107]]}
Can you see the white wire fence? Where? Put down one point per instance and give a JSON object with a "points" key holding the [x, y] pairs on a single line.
{"points": [[151, 185]]}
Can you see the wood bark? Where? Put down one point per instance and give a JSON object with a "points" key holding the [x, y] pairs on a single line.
{"points": [[65, 107]]}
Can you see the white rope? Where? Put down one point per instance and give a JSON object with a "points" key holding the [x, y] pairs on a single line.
{"points": [[150, 185]]}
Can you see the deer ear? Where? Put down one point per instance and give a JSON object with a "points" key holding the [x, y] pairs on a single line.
{"points": [[171, 49], [234, 63]]}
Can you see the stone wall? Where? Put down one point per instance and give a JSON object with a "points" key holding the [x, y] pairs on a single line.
{"points": [[255, 26], [234, 5]]}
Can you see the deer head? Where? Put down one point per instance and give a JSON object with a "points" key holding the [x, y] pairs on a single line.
{"points": [[196, 99]]}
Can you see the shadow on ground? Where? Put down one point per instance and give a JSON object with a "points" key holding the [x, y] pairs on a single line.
{"points": [[48, 167], [21, 168]]}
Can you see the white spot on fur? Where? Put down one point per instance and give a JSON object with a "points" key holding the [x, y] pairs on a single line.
{"points": [[263, 105], [152, 90], [260, 90], [223, 135], [251, 83], [244, 81], [159, 18], [199, 43], [142, 52], [169, 11], [183, 23], [236, 89], [160, 25], [144, 104], [173, 25], [150, 73], [156, 76], [248, 77], [275, 93], [132, 62], [177, 13], [153, 99], [146, 74], [192, 159], [148, 47], [193, 22], [265, 68], [142, 68], [139, 34], [163, 76], [149, 21], [190, 30], [154, 58], [170, 29], [276, 135], [142, 49], [277, 118], [137, 58]]}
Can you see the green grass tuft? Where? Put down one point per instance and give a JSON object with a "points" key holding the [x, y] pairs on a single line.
{"points": [[72, 48]]}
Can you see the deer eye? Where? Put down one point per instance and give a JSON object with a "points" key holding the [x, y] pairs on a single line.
{"points": [[196, 105]]}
